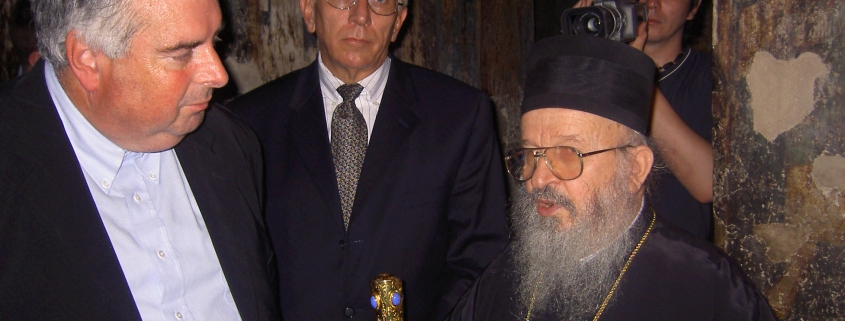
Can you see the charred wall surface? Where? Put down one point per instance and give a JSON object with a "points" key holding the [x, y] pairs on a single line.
{"points": [[779, 150]]}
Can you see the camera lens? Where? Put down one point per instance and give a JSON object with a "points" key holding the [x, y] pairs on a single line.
{"points": [[590, 24], [593, 25]]}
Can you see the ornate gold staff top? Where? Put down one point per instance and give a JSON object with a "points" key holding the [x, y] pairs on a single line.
{"points": [[387, 298]]}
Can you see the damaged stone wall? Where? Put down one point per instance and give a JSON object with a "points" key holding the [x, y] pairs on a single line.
{"points": [[266, 39], [779, 149]]}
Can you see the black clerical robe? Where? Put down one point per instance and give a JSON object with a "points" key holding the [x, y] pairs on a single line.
{"points": [[674, 276]]}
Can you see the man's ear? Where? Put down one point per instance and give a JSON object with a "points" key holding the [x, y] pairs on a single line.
{"points": [[82, 61], [694, 10], [400, 19], [641, 167], [307, 8]]}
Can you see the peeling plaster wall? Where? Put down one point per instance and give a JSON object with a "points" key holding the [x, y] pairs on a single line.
{"points": [[782, 91], [779, 147], [269, 40]]}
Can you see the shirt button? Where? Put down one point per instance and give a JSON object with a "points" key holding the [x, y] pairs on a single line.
{"points": [[179, 315], [349, 312], [342, 244], [152, 176], [137, 198], [106, 184], [161, 254]]}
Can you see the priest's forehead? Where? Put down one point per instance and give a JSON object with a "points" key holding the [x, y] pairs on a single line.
{"points": [[548, 127]]}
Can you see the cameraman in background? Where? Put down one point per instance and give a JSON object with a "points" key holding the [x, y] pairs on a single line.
{"points": [[682, 117]]}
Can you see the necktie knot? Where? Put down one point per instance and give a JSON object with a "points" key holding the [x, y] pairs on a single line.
{"points": [[350, 92]]}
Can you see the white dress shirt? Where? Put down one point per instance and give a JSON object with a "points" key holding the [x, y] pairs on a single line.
{"points": [[152, 220], [369, 100]]}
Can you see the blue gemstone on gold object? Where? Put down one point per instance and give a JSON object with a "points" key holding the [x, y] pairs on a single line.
{"points": [[395, 299], [373, 302]]}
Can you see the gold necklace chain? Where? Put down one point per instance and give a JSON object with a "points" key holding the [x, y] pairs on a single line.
{"points": [[618, 278]]}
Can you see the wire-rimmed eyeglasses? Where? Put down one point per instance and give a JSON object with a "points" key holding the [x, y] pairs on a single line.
{"points": [[565, 162], [379, 7]]}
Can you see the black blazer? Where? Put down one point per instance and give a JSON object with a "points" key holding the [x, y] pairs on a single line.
{"points": [[430, 206], [56, 259]]}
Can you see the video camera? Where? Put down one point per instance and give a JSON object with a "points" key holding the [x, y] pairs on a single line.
{"points": [[611, 19]]}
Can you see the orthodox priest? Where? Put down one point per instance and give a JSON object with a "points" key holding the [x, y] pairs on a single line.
{"points": [[587, 246]]}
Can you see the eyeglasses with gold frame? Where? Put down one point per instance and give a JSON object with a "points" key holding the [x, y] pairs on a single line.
{"points": [[565, 162]]}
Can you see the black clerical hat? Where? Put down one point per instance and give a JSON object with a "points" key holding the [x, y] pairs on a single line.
{"points": [[590, 74]]}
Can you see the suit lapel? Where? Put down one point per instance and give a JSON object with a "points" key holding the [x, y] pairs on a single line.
{"points": [[71, 212], [220, 201], [394, 124], [308, 131]]}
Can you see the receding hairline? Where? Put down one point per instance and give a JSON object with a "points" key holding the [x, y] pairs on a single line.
{"points": [[189, 44]]}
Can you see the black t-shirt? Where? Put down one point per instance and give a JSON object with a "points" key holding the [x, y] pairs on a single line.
{"points": [[687, 86]]}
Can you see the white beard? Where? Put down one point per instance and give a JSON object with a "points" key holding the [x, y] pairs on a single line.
{"points": [[570, 271]]}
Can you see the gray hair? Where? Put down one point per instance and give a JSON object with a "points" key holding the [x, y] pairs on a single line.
{"points": [[106, 26], [635, 138]]}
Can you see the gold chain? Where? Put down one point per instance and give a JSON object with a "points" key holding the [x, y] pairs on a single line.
{"points": [[618, 278]]}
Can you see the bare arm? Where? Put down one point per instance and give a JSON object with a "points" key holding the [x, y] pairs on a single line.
{"points": [[689, 157]]}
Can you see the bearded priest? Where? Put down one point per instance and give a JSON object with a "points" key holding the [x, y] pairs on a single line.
{"points": [[587, 246]]}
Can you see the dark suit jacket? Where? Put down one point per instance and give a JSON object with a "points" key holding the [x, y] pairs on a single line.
{"points": [[430, 206], [56, 259]]}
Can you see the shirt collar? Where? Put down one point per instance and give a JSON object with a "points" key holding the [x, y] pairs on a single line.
{"points": [[674, 65], [373, 84], [98, 156]]}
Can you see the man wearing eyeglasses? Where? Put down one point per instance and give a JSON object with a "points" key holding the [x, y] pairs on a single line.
{"points": [[375, 166], [587, 246]]}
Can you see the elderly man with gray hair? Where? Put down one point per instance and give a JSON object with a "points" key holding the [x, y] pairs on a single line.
{"points": [[125, 196], [587, 245], [375, 166]]}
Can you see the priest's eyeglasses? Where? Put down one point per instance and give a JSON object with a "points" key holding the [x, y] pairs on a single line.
{"points": [[379, 7], [565, 162]]}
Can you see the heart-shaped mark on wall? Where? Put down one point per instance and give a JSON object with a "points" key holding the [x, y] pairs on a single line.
{"points": [[782, 91]]}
